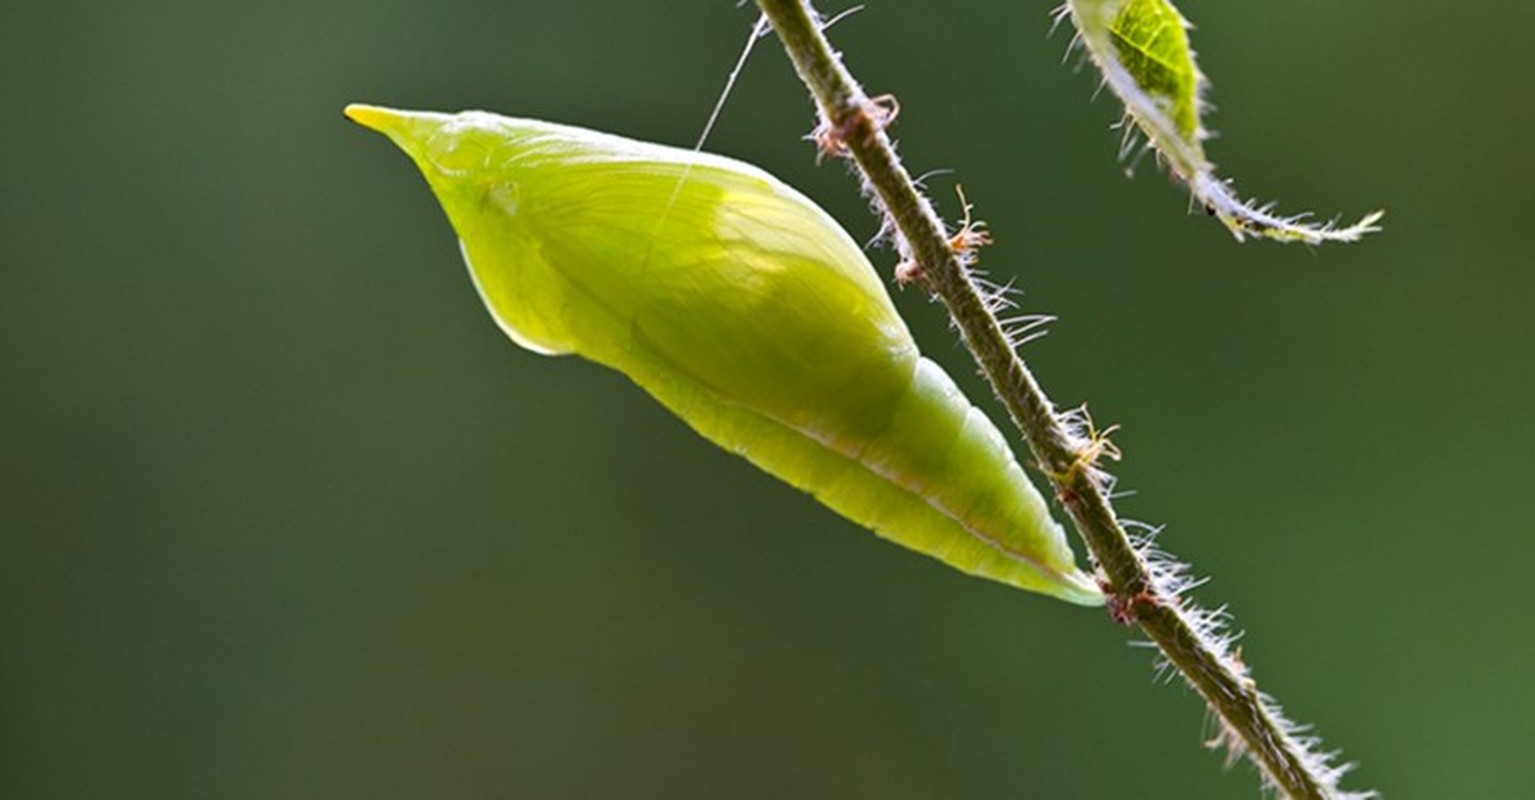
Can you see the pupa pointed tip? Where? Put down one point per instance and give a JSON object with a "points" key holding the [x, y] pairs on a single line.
{"points": [[373, 117]]}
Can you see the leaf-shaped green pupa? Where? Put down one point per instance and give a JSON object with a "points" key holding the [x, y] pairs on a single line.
{"points": [[747, 311], [1142, 49]]}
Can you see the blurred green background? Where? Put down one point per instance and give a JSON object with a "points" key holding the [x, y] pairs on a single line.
{"points": [[284, 515]]}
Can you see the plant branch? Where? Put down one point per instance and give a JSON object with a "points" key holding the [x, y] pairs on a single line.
{"points": [[1144, 588]]}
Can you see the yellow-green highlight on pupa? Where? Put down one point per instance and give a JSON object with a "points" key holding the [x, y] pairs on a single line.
{"points": [[746, 310], [1142, 49]]}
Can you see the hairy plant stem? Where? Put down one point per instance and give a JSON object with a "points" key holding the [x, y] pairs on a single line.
{"points": [[851, 121]]}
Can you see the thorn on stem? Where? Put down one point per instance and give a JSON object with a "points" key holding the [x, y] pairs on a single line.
{"points": [[1096, 447], [1122, 607], [883, 110], [869, 116], [972, 234]]}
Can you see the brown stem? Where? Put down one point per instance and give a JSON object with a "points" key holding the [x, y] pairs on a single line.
{"points": [[852, 121]]}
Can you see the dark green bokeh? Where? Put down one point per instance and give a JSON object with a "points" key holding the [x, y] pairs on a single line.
{"points": [[282, 514]]}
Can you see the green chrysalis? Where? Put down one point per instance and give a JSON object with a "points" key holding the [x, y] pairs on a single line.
{"points": [[747, 311]]}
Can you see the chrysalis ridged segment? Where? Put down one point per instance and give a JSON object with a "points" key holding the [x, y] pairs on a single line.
{"points": [[747, 311]]}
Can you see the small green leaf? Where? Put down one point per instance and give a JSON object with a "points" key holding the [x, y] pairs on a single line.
{"points": [[746, 310], [1142, 49]]}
